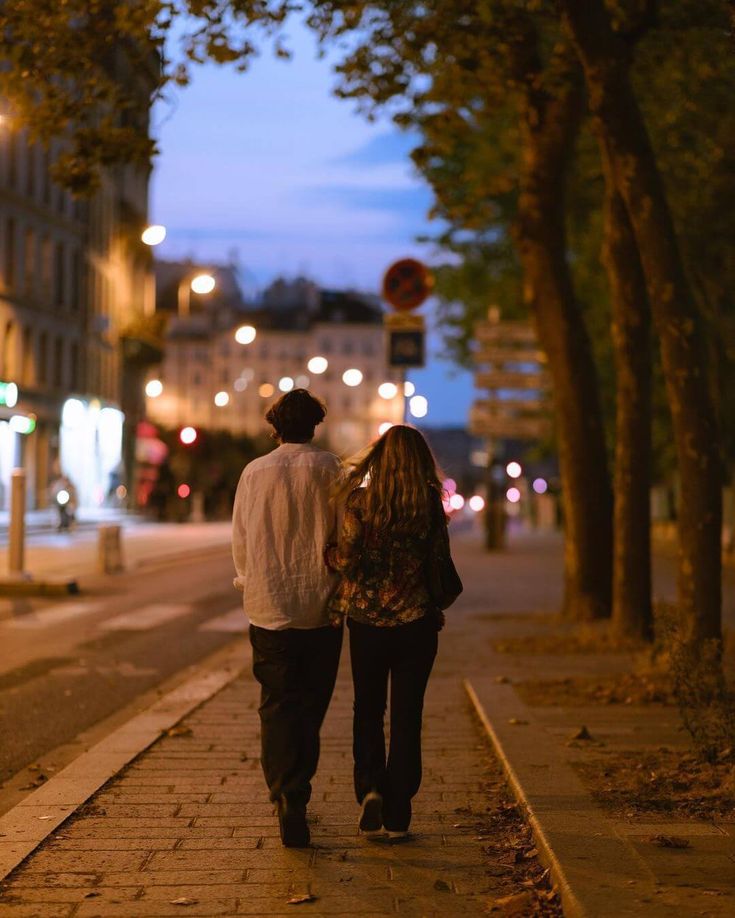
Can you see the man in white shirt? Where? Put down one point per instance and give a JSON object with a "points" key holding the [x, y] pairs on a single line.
{"points": [[282, 520]]}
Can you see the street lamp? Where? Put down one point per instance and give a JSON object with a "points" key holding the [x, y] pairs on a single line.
{"points": [[201, 283], [352, 377], [154, 388], [387, 390], [419, 406], [245, 334], [317, 365], [153, 234]]}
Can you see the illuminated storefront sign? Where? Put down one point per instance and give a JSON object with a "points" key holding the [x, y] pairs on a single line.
{"points": [[90, 449]]}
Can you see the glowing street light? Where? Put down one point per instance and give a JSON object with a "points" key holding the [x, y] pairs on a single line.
{"points": [[408, 388], [221, 399], [302, 381], [514, 470], [245, 334], [153, 388], [352, 377], [540, 485], [387, 390], [153, 234], [418, 406], [187, 435], [285, 384], [456, 501], [265, 390], [477, 503], [203, 283], [513, 495], [317, 365], [386, 425], [240, 384]]}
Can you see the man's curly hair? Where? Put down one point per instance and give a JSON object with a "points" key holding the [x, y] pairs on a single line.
{"points": [[295, 415]]}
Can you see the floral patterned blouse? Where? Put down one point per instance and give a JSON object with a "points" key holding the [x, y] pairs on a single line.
{"points": [[383, 574]]}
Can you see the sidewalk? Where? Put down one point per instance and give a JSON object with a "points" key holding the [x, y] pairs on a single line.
{"points": [[188, 828], [74, 555]]}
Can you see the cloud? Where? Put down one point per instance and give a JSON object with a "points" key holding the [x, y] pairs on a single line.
{"points": [[383, 149]]}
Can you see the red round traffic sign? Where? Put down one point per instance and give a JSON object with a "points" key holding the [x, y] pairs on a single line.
{"points": [[407, 283]]}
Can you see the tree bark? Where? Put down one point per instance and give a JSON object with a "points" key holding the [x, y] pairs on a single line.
{"points": [[677, 320], [632, 614], [550, 123]]}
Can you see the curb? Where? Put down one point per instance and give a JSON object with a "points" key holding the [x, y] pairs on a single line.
{"points": [[573, 836], [29, 823]]}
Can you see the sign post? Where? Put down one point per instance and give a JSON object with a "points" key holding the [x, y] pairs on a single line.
{"points": [[406, 285]]}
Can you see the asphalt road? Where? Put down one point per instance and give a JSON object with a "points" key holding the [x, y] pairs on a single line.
{"points": [[67, 665]]}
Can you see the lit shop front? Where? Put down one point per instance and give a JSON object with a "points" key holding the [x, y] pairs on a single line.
{"points": [[90, 449]]}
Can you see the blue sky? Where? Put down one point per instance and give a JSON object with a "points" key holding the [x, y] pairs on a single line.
{"points": [[270, 169]]}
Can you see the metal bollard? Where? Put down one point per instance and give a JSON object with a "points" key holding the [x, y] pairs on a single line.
{"points": [[109, 549], [17, 534]]}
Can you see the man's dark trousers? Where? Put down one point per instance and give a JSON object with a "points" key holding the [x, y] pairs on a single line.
{"points": [[296, 669]]}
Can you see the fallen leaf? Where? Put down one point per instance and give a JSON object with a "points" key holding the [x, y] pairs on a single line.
{"points": [[670, 841], [299, 900], [502, 680], [517, 722], [582, 734], [45, 817], [91, 895], [442, 886], [517, 904], [179, 730], [184, 900]]}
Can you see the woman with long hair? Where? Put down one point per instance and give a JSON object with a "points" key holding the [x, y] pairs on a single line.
{"points": [[393, 522]]}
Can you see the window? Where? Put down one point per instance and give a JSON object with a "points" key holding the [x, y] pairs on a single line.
{"points": [[76, 280], [12, 159], [347, 346], [74, 375], [58, 375], [60, 275], [28, 370], [29, 261], [31, 168], [325, 346], [9, 261], [8, 348], [47, 268], [43, 358]]}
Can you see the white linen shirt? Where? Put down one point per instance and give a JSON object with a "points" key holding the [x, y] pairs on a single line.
{"points": [[282, 520]]}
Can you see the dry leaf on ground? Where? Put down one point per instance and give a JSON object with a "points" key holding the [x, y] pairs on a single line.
{"points": [[184, 900], [299, 900], [670, 841]]}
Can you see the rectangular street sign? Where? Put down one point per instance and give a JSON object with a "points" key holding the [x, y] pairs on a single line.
{"points": [[511, 407], [501, 379], [504, 332], [499, 354], [404, 320], [509, 428], [406, 348]]}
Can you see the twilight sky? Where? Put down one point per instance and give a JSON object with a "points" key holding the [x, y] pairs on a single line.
{"points": [[268, 168]]}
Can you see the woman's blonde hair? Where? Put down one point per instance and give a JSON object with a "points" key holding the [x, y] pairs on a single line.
{"points": [[401, 479]]}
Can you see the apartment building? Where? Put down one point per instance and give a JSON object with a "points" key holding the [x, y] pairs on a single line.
{"points": [[222, 369], [73, 275]]}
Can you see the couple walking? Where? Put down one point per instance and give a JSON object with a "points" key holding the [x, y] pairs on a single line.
{"points": [[315, 544]]}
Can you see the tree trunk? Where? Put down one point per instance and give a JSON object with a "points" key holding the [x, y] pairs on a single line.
{"points": [[549, 126], [631, 605], [678, 322]]}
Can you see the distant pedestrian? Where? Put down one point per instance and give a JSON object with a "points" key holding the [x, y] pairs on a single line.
{"points": [[397, 576], [283, 519]]}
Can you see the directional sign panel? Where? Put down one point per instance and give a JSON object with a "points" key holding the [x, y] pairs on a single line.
{"points": [[510, 407], [503, 355], [505, 332], [502, 379], [404, 320], [509, 428]]}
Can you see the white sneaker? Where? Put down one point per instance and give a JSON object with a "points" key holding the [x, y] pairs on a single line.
{"points": [[397, 836]]}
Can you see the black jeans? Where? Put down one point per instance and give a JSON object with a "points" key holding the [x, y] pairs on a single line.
{"points": [[405, 654], [296, 669]]}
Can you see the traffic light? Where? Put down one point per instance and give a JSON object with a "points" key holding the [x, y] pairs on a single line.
{"points": [[188, 435]]}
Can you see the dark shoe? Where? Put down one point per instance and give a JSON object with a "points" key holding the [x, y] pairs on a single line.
{"points": [[292, 823], [371, 817]]}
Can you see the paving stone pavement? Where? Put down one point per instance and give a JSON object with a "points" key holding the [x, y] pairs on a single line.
{"points": [[190, 820]]}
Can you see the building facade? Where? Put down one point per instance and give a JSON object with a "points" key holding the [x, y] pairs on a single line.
{"points": [[73, 276], [221, 370]]}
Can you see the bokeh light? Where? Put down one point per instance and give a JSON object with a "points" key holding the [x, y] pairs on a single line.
{"points": [[154, 388], [221, 399], [386, 425], [265, 390], [387, 390], [418, 406], [317, 365], [513, 495], [477, 503], [285, 384], [456, 501], [513, 470], [245, 334], [153, 234], [540, 485], [183, 490], [352, 377], [408, 389], [203, 283]]}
